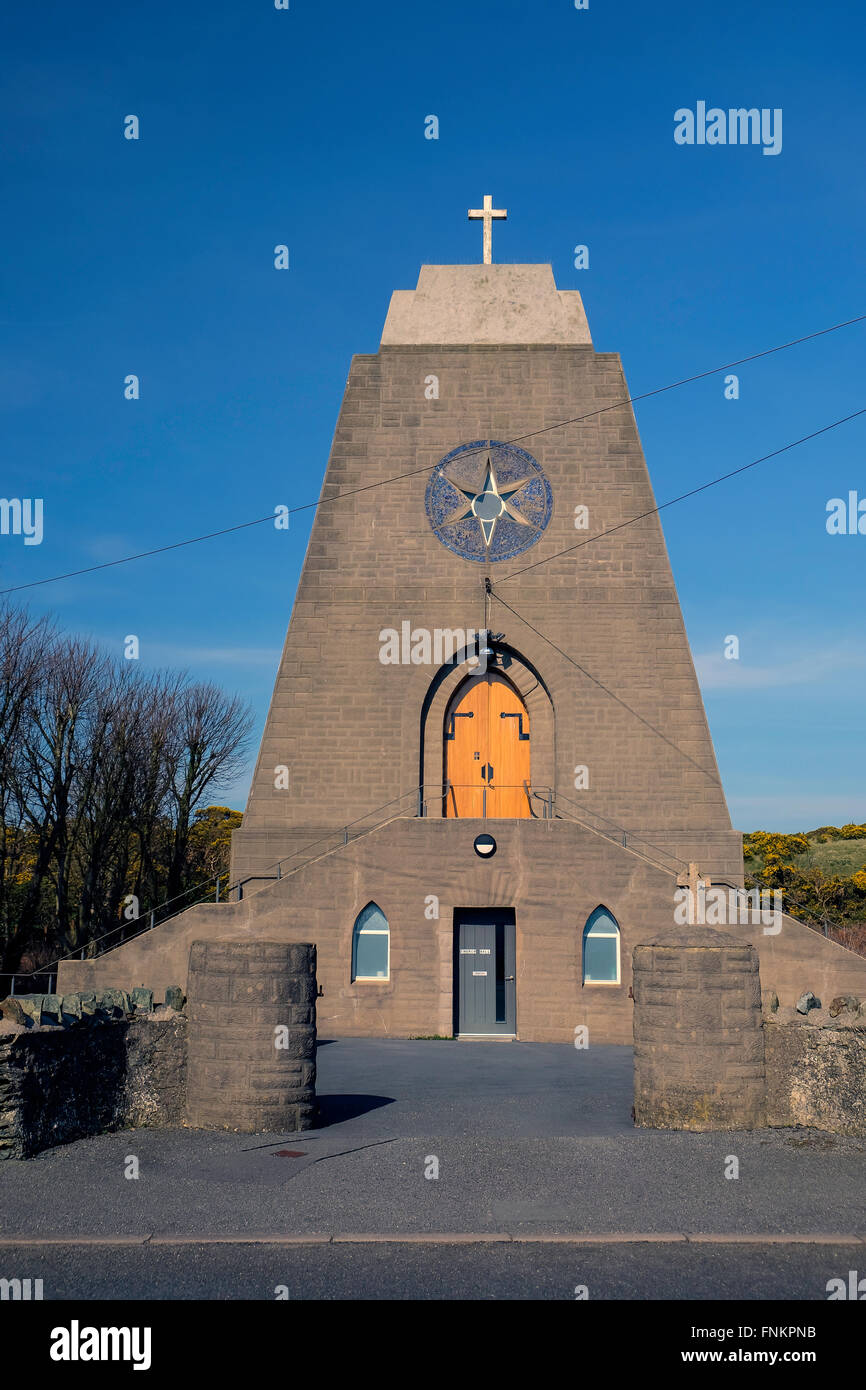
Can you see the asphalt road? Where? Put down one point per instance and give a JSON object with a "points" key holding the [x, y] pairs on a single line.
{"points": [[464, 1272], [528, 1140]]}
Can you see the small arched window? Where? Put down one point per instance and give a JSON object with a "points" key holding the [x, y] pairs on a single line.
{"points": [[370, 944], [601, 949]]}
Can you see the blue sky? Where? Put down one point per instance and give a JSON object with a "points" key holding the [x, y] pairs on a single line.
{"points": [[306, 127]]}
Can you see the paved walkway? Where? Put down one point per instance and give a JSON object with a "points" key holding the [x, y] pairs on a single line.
{"points": [[532, 1142]]}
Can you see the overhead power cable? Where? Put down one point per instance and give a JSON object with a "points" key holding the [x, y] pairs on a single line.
{"points": [[692, 492], [386, 482], [687, 380], [713, 776]]}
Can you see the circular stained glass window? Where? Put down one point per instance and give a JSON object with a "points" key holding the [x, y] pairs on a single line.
{"points": [[488, 501]]}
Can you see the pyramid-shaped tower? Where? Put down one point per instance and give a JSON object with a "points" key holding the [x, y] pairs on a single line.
{"points": [[451, 466], [486, 767]]}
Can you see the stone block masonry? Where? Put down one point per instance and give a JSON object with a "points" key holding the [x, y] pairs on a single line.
{"points": [[80, 1065], [620, 740], [511, 355], [698, 1042], [252, 1038]]}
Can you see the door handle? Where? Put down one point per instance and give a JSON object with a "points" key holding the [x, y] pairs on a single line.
{"points": [[509, 978]]}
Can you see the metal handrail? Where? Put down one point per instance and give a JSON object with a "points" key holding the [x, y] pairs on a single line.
{"points": [[127, 928], [547, 795], [627, 836]]}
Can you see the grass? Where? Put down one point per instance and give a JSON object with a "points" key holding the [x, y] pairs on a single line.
{"points": [[842, 857]]}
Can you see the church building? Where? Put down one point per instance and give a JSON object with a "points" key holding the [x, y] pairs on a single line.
{"points": [[486, 766]]}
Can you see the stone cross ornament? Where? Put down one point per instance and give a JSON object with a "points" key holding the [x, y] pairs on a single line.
{"points": [[487, 214]]}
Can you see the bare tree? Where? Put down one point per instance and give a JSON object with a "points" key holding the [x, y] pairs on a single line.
{"points": [[102, 770], [53, 738], [110, 745], [154, 769], [211, 732], [24, 643]]}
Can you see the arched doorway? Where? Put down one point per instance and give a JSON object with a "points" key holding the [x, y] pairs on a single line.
{"points": [[487, 763]]}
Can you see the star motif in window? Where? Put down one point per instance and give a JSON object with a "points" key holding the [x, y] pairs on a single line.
{"points": [[465, 513], [489, 505]]}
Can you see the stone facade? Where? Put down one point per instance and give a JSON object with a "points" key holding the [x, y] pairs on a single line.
{"points": [[698, 1042], [554, 873], [510, 355], [252, 1036], [357, 734]]}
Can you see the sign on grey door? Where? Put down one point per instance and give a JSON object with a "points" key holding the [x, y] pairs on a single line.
{"points": [[484, 973]]}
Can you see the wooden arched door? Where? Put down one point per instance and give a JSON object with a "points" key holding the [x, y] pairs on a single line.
{"points": [[487, 750]]}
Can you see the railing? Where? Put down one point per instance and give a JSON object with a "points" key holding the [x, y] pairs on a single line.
{"points": [[752, 885], [484, 788], [209, 889], [546, 801], [48, 976], [552, 805], [609, 830]]}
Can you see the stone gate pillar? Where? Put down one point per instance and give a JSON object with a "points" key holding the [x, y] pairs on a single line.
{"points": [[698, 1040], [252, 1036]]}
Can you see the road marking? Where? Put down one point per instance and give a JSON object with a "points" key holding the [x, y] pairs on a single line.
{"points": [[425, 1238], [445, 1238]]}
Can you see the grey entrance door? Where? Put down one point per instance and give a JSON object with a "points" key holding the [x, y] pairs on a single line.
{"points": [[484, 972]]}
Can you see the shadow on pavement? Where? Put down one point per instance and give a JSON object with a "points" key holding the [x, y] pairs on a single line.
{"points": [[333, 1110]]}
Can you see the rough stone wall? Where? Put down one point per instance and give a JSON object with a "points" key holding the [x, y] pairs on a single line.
{"points": [[60, 1084], [252, 1036], [699, 1047], [816, 1070], [154, 1093]]}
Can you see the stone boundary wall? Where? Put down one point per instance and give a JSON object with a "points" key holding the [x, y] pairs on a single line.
{"points": [[252, 1036], [816, 1070], [70, 1010], [81, 1064], [698, 1045], [712, 1052], [60, 1083]]}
